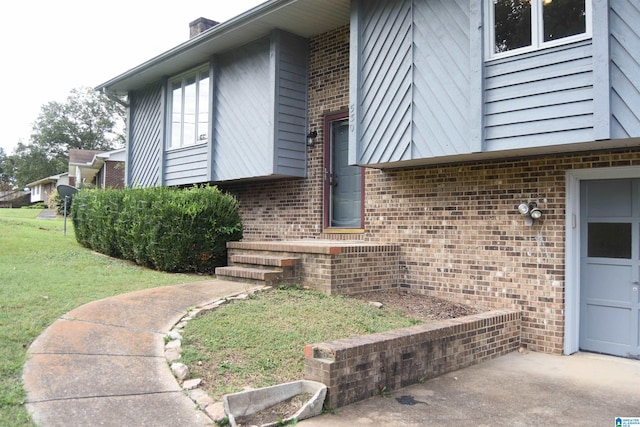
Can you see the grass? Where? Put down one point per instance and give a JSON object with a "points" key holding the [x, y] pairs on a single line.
{"points": [[43, 275], [259, 342]]}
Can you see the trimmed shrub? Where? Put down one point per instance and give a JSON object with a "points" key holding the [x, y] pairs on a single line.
{"points": [[162, 228]]}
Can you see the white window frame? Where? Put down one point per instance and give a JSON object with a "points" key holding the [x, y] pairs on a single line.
{"points": [[537, 35], [199, 73]]}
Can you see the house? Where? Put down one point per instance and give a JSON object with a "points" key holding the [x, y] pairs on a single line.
{"points": [[14, 198], [41, 189], [103, 169], [489, 148]]}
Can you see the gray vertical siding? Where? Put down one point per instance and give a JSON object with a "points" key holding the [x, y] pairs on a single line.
{"points": [[291, 83], [441, 78], [382, 90], [542, 98], [412, 79], [244, 113], [260, 109], [145, 141], [624, 22], [258, 120], [421, 90]]}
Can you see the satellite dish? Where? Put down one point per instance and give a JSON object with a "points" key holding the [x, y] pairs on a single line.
{"points": [[66, 191]]}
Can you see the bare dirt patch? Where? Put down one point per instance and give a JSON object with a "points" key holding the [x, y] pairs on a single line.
{"points": [[419, 306], [276, 413]]}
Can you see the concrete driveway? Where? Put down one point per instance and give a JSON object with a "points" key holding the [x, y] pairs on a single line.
{"points": [[531, 389]]}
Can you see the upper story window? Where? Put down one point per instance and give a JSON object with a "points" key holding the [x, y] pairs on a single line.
{"points": [[518, 26], [189, 103]]}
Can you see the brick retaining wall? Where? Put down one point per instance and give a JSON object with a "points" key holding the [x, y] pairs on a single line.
{"points": [[354, 368]]}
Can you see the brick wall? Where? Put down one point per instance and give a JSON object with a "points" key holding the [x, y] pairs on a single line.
{"points": [[336, 268], [462, 238], [114, 174], [457, 225], [353, 369]]}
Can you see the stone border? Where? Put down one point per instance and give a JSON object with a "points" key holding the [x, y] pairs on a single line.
{"points": [[173, 353], [357, 368]]}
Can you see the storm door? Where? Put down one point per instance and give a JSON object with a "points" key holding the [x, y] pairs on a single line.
{"points": [[343, 184], [610, 267]]}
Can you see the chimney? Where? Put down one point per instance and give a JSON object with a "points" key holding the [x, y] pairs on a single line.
{"points": [[200, 25]]}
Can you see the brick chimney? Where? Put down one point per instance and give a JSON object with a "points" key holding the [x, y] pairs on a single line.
{"points": [[200, 25]]}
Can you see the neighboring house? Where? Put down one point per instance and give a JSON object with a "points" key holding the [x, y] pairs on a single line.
{"points": [[103, 169], [41, 189], [454, 117], [14, 198]]}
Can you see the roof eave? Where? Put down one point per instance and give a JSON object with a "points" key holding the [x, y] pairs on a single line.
{"points": [[237, 31]]}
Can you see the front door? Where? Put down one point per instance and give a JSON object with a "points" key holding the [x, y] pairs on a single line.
{"points": [[610, 267], [343, 183]]}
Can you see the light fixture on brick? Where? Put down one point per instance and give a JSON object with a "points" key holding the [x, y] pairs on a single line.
{"points": [[311, 137], [530, 211]]}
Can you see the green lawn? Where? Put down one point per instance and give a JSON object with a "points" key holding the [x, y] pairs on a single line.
{"points": [[43, 275], [259, 342]]}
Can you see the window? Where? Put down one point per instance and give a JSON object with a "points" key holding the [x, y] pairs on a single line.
{"points": [[523, 25], [189, 102]]}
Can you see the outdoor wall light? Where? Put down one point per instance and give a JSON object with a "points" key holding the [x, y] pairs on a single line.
{"points": [[530, 211], [311, 137]]}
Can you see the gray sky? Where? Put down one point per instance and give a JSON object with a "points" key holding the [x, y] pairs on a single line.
{"points": [[50, 47]]}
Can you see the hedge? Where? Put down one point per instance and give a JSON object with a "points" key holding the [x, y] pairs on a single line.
{"points": [[163, 228]]}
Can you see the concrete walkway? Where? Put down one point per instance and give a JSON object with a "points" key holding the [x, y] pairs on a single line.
{"points": [[104, 364], [47, 214], [532, 389]]}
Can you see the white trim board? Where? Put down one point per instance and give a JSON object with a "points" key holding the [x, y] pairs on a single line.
{"points": [[572, 245]]}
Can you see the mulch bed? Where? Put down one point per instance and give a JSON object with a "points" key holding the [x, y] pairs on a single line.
{"points": [[419, 306]]}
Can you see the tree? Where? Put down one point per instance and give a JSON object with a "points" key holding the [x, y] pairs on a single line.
{"points": [[30, 164], [87, 120], [6, 171]]}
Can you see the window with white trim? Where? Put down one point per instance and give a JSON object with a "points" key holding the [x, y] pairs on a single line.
{"points": [[517, 26], [189, 103]]}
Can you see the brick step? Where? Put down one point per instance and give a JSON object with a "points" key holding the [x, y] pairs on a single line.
{"points": [[265, 260], [251, 274]]}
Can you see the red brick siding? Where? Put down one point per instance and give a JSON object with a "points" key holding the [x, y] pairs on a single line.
{"points": [[114, 174]]}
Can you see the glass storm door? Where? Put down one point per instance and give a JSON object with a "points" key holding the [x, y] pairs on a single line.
{"points": [[610, 267], [342, 182]]}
